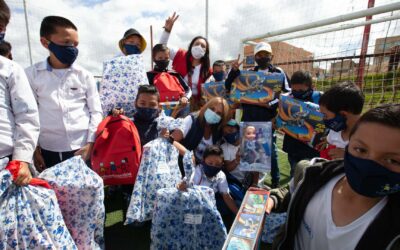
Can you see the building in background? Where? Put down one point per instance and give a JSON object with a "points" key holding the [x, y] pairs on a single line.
{"points": [[285, 56], [343, 68], [390, 47]]}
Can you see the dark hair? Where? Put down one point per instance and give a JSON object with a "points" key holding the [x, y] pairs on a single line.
{"points": [[345, 96], [387, 115], [213, 150], [205, 60], [301, 77], [159, 48], [5, 48], [4, 13], [219, 63], [50, 23], [148, 89]]}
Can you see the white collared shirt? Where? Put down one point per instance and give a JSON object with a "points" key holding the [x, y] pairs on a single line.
{"points": [[19, 119], [69, 107]]}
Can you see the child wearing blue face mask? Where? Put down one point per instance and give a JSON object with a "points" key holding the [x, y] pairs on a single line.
{"points": [[342, 106], [352, 203], [132, 43], [301, 89], [209, 173], [67, 96]]}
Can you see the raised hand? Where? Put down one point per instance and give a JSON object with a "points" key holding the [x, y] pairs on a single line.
{"points": [[169, 23], [236, 64]]}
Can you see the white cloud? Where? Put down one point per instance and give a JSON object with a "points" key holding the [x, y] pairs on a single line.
{"points": [[101, 25]]}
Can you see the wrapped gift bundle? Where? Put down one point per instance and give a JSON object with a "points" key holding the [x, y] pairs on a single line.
{"points": [[273, 223], [302, 121], [187, 220], [122, 77], [30, 217], [80, 194], [158, 169]]}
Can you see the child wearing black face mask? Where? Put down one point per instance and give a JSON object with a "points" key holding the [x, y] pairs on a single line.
{"points": [[209, 174], [261, 112], [301, 85], [342, 106], [169, 83], [147, 111], [352, 203]]}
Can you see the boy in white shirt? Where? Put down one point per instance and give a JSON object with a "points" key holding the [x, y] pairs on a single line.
{"points": [[342, 106], [67, 96], [19, 120]]}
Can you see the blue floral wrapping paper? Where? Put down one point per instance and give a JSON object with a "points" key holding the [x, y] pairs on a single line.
{"points": [[122, 77], [187, 220], [80, 194], [273, 222], [158, 169], [30, 217]]}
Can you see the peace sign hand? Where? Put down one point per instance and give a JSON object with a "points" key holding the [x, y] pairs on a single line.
{"points": [[236, 64], [169, 23]]}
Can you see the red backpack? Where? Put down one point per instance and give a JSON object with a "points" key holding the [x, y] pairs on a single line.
{"points": [[169, 87], [117, 151]]}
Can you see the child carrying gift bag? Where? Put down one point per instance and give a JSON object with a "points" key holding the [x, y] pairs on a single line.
{"points": [[30, 215], [158, 169]]}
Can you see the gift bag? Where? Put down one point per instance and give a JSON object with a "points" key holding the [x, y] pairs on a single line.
{"points": [[80, 194], [273, 222], [158, 169], [30, 217], [187, 220], [122, 77]]}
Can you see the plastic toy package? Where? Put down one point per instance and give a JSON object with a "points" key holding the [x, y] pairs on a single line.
{"points": [[256, 87], [302, 121], [255, 148]]}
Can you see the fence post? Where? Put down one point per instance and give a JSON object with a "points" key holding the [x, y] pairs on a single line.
{"points": [[364, 48]]}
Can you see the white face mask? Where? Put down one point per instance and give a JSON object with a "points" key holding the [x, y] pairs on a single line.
{"points": [[198, 52]]}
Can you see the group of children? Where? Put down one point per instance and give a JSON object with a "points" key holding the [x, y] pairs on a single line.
{"points": [[51, 111]]}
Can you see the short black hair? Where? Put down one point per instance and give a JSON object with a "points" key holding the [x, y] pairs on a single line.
{"points": [[148, 89], [301, 77], [50, 24], [219, 63], [159, 48], [345, 96], [213, 150], [387, 115], [4, 13], [5, 48]]}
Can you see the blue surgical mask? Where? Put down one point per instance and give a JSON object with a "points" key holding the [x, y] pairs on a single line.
{"points": [[211, 117], [132, 49], [337, 123], [219, 76], [146, 114], [65, 54], [210, 171], [369, 178], [2, 35], [302, 94], [232, 138]]}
